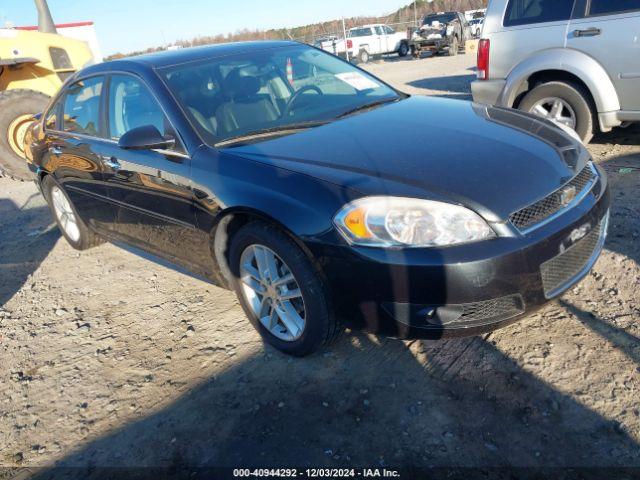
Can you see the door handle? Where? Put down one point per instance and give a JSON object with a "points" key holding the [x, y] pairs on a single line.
{"points": [[111, 162], [589, 32], [55, 151]]}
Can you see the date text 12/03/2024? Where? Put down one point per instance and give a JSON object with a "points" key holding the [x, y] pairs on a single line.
{"points": [[317, 473]]}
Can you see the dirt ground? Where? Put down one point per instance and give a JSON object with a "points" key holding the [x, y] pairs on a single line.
{"points": [[108, 359]]}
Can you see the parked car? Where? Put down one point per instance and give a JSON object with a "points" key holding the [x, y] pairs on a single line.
{"points": [[302, 195], [571, 61], [440, 32], [367, 41]]}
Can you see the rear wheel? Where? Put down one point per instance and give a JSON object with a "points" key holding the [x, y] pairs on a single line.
{"points": [[565, 103], [454, 47], [363, 56], [403, 50], [69, 222], [17, 108], [280, 290]]}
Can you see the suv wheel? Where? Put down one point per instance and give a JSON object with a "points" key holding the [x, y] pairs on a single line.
{"points": [[564, 103], [280, 290]]}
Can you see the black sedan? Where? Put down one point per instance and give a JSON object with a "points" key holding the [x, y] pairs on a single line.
{"points": [[320, 194]]}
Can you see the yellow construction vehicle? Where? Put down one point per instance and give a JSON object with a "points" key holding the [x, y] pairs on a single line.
{"points": [[33, 66]]}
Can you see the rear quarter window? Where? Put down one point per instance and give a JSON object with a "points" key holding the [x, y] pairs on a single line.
{"points": [[529, 12]]}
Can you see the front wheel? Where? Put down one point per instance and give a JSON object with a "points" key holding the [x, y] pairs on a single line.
{"points": [[564, 103], [280, 290], [403, 50], [74, 230]]}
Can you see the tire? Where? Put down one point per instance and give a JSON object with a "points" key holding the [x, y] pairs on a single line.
{"points": [[574, 95], [454, 47], [16, 106], [363, 56], [403, 51], [320, 325], [85, 238]]}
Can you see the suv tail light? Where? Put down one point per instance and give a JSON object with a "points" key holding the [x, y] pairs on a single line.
{"points": [[483, 59], [349, 44]]}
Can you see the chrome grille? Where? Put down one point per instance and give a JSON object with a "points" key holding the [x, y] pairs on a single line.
{"points": [[559, 272], [538, 212]]}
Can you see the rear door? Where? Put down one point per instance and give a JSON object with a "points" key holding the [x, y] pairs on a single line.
{"points": [[609, 31], [76, 135], [150, 189], [524, 27]]}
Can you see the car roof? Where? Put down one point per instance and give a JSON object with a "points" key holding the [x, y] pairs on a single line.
{"points": [[185, 55]]}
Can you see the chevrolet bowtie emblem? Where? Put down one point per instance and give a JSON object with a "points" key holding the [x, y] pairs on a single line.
{"points": [[568, 195]]}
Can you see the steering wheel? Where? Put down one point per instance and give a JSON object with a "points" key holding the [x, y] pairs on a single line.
{"points": [[294, 98]]}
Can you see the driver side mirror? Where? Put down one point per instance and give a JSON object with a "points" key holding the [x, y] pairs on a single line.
{"points": [[146, 137]]}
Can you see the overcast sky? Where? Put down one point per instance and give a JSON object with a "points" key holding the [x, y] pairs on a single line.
{"points": [[127, 25]]}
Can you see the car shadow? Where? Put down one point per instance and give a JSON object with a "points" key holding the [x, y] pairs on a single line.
{"points": [[619, 136], [407, 403], [620, 339], [454, 86], [27, 235], [624, 178]]}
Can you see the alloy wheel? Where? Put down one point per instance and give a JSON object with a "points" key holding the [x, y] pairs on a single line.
{"points": [[557, 110], [272, 292], [65, 214]]}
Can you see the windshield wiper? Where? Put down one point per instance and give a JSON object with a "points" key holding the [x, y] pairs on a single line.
{"points": [[269, 132], [368, 106]]}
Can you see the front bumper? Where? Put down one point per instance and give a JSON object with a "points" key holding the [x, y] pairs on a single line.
{"points": [[466, 290], [487, 92]]}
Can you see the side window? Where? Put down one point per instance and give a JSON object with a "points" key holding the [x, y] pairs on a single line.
{"points": [[611, 7], [131, 105], [527, 12], [82, 107], [389, 30], [379, 30], [51, 120]]}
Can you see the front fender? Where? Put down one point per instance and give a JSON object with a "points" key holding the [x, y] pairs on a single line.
{"points": [[564, 59]]}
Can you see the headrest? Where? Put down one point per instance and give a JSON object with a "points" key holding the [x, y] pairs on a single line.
{"points": [[241, 86]]}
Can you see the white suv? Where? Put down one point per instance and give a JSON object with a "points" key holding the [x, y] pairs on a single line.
{"points": [[576, 62]]}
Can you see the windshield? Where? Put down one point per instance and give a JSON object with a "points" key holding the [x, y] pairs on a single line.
{"points": [[267, 90], [442, 18]]}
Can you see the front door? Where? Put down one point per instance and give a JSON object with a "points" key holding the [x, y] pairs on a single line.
{"points": [[609, 31], [150, 189]]}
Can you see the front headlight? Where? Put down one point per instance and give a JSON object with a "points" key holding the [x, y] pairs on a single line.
{"points": [[409, 222]]}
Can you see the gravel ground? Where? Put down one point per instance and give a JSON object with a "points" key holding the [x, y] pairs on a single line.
{"points": [[109, 359]]}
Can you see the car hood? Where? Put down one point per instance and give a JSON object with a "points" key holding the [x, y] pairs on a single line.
{"points": [[493, 160]]}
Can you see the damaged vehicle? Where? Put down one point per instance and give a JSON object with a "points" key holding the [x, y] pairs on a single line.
{"points": [[445, 32], [282, 172]]}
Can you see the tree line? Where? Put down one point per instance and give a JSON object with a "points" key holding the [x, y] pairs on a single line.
{"points": [[310, 33]]}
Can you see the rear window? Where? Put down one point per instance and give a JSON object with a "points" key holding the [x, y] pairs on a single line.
{"points": [[527, 12], [359, 32], [82, 107], [442, 18], [610, 7]]}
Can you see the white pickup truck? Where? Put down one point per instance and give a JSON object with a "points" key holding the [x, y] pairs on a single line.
{"points": [[364, 42]]}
